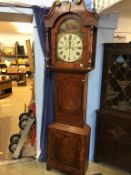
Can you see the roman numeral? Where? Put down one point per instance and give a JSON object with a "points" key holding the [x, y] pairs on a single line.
{"points": [[61, 53], [64, 56], [78, 42], [70, 36], [78, 53]]}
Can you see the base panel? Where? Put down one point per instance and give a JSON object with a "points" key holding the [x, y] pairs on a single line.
{"points": [[68, 148]]}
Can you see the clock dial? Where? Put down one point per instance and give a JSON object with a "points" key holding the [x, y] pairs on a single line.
{"points": [[70, 47]]}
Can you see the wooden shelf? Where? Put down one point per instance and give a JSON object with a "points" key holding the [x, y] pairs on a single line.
{"points": [[5, 88], [16, 56]]}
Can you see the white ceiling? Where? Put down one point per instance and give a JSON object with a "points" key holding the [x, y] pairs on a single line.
{"points": [[49, 2], [123, 7], [9, 27], [29, 2], [103, 4], [15, 28]]}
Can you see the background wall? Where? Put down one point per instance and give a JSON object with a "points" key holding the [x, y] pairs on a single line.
{"points": [[106, 27], [11, 32], [8, 40], [123, 31]]}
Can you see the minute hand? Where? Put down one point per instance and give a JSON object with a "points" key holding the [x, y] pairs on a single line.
{"points": [[69, 48]]}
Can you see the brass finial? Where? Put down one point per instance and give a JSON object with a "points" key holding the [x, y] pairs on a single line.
{"points": [[78, 1], [58, 2]]}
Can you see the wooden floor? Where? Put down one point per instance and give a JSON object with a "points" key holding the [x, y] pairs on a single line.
{"points": [[10, 109], [34, 167]]}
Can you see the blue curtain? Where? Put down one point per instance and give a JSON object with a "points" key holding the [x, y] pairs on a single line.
{"points": [[48, 99]]}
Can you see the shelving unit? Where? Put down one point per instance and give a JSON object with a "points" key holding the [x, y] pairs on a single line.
{"points": [[16, 52], [16, 59], [113, 143], [19, 63], [5, 88]]}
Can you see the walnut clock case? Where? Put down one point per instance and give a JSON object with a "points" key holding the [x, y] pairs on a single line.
{"points": [[73, 39]]}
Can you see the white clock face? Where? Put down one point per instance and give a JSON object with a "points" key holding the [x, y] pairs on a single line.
{"points": [[70, 47]]}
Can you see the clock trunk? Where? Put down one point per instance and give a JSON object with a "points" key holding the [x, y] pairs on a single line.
{"points": [[70, 98]]}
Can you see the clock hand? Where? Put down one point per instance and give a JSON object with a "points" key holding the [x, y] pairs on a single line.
{"points": [[69, 45], [69, 48], [73, 46]]}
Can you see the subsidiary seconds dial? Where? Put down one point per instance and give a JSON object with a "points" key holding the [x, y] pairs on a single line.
{"points": [[70, 47]]}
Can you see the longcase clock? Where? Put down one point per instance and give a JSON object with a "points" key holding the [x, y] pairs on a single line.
{"points": [[73, 39]]}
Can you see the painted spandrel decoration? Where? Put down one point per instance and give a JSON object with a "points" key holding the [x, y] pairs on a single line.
{"points": [[69, 38]]}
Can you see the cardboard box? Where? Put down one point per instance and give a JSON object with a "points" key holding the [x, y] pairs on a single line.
{"points": [[9, 50], [22, 69], [12, 69]]}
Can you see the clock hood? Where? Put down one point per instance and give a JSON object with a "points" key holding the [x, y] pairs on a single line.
{"points": [[66, 7]]}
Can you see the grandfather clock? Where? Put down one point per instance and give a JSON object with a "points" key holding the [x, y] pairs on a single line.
{"points": [[73, 39]]}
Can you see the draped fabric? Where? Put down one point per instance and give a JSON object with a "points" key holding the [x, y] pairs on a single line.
{"points": [[48, 98]]}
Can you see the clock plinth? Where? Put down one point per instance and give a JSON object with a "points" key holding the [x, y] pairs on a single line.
{"points": [[68, 148], [73, 39]]}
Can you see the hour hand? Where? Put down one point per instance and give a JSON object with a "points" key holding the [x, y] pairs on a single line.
{"points": [[69, 45]]}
